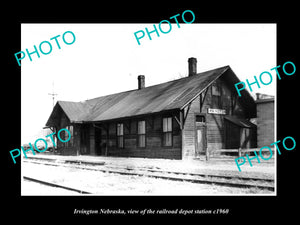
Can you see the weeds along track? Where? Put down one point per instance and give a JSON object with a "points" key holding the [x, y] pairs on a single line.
{"points": [[221, 180]]}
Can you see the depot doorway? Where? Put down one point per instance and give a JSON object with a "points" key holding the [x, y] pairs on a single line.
{"points": [[200, 136]]}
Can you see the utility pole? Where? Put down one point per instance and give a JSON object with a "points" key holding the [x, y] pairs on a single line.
{"points": [[53, 94]]}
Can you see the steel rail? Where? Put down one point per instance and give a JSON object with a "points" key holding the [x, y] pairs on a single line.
{"points": [[197, 178], [54, 185]]}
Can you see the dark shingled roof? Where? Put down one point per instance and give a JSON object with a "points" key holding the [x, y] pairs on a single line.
{"points": [[174, 94]]}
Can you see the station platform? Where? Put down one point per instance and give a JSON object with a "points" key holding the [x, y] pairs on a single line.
{"points": [[220, 166]]}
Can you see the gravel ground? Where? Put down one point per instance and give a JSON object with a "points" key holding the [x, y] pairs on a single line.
{"points": [[101, 183], [265, 169], [32, 188]]}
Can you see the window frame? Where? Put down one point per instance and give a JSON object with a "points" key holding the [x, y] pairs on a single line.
{"points": [[65, 136], [216, 95], [70, 128], [167, 132], [120, 136], [203, 119], [139, 135]]}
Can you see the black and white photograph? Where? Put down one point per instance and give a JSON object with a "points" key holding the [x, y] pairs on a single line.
{"points": [[139, 112], [163, 116]]}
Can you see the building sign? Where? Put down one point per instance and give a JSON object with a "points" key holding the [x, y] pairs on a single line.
{"points": [[216, 111]]}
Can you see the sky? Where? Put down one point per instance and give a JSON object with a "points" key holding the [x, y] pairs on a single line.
{"points": [[106, 59]]}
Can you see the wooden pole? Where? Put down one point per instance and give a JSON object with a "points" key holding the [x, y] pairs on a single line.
{"points": [[53, 94], [206, 154], [240, 152]]}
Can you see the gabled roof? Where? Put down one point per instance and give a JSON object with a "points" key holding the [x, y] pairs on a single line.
{"points": [[171, 95]]}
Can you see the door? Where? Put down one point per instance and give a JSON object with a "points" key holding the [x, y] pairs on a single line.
{"points": [[232, 135], [200, 136], [98, 143], [84, 140], [200, 140]]}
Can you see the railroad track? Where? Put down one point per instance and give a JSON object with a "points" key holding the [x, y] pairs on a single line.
{"points": [[221, 180], [199, 174], [51, 184], [201, 178]]}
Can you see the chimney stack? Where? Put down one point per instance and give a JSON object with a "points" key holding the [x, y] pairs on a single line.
{"points": [[192, 66], [141, 82]]}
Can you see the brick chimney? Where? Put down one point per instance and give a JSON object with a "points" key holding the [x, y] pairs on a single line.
{"points": [[192, 66], [141, 81]]}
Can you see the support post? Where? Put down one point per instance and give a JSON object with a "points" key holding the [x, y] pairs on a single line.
{"points": [[206, 154], [240, 152], [181, 119]]}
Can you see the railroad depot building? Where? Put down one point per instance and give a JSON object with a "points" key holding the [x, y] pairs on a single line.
{"points": [[179, 119]]}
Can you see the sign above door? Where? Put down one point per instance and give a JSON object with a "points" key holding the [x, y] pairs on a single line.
{"points": [[216, 111]]}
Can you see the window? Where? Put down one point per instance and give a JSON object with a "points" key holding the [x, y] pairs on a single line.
{"points": [[200, 120], [216, 89], [216, 95], [120, 135], [70, 142], [64, 135], [142, 134], [167, 131]]}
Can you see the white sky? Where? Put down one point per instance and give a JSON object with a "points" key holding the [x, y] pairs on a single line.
{"points": [[106, 59]]}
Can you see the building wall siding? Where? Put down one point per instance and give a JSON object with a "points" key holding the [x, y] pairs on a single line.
{"points": [[154, 138], [265, 123], [215, 123], [188, 132], [92, 140]]}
